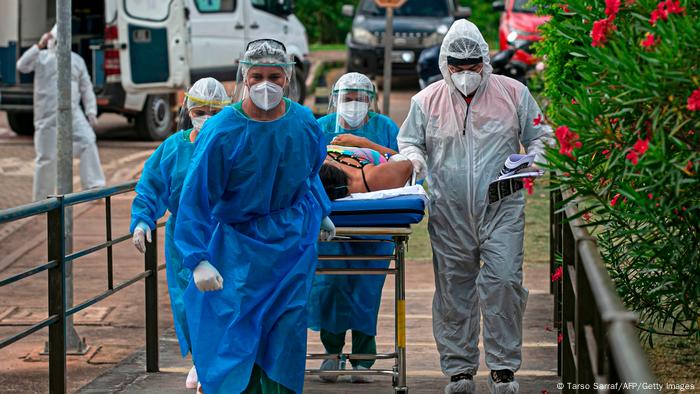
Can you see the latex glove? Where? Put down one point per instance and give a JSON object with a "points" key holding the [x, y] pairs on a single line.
{"points": [[418, 168], [192, 379], [398, 157], [207, 278], [92, 119], [142, 233], [327, 230]]}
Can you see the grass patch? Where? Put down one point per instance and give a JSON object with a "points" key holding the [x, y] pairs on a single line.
{"points": [[327, 47], [675, 360]]}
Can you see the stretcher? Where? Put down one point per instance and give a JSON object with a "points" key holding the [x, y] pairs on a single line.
{"points": [[391, 219]]}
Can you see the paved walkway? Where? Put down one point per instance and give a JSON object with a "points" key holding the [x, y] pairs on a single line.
{"points": [[538, 371]]}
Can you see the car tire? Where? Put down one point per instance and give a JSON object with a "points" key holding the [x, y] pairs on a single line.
{"points": [[21, 123], [157, 120]]}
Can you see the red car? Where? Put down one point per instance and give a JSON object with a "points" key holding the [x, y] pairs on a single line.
{"points": [[518, 27]]}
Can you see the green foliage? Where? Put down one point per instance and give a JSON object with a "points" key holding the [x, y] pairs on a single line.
{"points": [[323, 20], [646, 215], [486, 19]]}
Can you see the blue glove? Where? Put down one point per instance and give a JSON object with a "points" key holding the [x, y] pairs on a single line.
{"points": [[327, 230], [142, 233]]}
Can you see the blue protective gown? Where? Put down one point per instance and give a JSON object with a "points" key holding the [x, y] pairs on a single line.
{"points": [[351, 302], [159, 189], [252, 206]]}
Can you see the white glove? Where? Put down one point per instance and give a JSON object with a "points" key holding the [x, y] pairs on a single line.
{"points": [[92, 119], [327, 230], [192, 379], [207, 278], [418, 168], [142, 233], [397, 157]]}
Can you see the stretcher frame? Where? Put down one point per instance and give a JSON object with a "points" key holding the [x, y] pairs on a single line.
{"points": [[399, 237]]}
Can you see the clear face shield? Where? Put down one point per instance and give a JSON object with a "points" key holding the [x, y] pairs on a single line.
{"points": [[266, 75], [352, 108], [204, 99]]}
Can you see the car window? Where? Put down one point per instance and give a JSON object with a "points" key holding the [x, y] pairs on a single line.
{"points": [[207, 6], [524, 6], [410, 8]]}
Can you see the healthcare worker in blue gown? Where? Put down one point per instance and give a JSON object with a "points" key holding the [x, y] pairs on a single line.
{"points": [[339, 303], [250, 213], [159, 189]]}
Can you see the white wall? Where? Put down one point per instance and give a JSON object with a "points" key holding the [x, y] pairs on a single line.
{"points": [[8, 25]]}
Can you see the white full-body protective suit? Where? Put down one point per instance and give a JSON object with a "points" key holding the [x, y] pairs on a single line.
{"points": [[44, 65], [461, 148]]}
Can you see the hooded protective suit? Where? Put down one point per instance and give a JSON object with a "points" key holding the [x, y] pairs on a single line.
{"points": [[43, 64], [462, 149]]}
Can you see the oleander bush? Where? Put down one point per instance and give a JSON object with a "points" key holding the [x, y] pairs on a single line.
{"points": [[623, 83]]}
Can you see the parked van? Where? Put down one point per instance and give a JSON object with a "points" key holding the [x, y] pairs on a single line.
{"points": [[140, 53], [418, 24]]}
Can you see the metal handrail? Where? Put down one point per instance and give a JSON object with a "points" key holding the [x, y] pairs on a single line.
{"points": [[55, 208], [599, 341]]}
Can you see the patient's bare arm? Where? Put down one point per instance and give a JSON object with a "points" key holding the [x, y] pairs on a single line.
{"points": [[388, 175]]}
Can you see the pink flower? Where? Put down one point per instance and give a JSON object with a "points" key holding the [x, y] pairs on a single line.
{"points": [[650, 195], [611, 8], [614, 200], [601, 30], [587, 217], [568, 140], [556, 276], [640, 147], [649, 41], [529, 184], [573, 101], [538, 120], [664, 9], [606, 153], [694, 101], [564, 7]]}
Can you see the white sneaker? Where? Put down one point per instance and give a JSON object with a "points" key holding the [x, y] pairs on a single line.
{"points": [[360, 378], [192, 379], [329, 365]]}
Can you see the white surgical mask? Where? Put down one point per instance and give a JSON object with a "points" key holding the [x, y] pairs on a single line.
{"points": [[466, 81], [266, 95], [198, 122], [353, 112]]}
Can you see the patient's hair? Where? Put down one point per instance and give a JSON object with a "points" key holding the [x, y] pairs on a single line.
{"points": [[335, 181]]}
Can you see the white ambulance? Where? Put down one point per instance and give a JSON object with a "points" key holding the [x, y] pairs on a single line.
{"points": [[140, 53]]}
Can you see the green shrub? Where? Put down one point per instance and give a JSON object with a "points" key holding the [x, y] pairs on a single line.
{"points": [[323, 20], [624, 85]]}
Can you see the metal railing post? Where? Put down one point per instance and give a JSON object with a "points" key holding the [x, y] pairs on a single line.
{"points": [[151, 284], [400, 262], [57, 299]]}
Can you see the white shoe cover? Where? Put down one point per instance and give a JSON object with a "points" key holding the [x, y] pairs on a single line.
{"points": [[329, 365], [503, 388], [360, 378], [462, 386], [192, 379]]}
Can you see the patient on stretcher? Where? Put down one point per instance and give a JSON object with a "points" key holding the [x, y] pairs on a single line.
{"points": [[348, 170]]}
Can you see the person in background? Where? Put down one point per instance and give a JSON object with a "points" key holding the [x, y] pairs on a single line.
{"points": [[41, 59], [459, 132], [341, 303], [159, 189]]}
